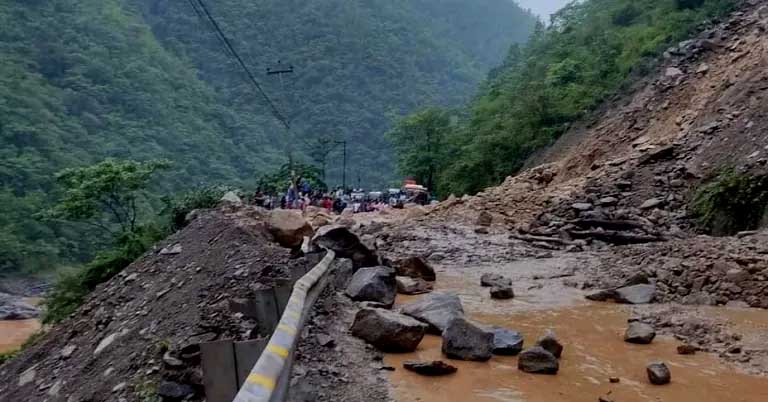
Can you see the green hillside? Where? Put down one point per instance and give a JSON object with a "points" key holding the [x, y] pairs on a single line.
{"points": [[82, 80]]}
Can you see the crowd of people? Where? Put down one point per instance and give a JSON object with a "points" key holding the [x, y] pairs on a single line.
{"points": [[300, 194]]}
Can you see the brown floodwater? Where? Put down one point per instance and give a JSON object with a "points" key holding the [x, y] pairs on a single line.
{"points": [[14, 333], [594, 352]]}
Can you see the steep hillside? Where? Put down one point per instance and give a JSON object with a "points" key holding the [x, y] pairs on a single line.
{"points": [[81, 80]]}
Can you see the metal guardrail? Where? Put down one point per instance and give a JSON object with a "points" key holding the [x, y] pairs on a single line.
{"points": [[269, 379]]}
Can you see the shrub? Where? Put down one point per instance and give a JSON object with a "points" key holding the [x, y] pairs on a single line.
{"points": [[732, 202], [203, 197]]}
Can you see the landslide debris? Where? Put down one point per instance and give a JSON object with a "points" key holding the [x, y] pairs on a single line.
{"points": [[136, 336]]}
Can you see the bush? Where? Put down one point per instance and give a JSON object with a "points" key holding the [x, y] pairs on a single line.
{"points": [[203, 197], [732, 202]]}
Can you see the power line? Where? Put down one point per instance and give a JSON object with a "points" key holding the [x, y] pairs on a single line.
{"points": [[275, 111]]}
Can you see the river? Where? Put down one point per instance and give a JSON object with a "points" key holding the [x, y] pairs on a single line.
{"points": [[14, 333]]}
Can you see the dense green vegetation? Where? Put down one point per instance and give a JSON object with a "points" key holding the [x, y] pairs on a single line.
{"points": [[563, 73], [732, 202], [84, 80]]}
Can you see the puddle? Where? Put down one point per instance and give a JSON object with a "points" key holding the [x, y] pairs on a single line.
{"points": [[14, 333], [594, 352]]}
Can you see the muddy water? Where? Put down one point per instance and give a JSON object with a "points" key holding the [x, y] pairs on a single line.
{"points": [[594, 352], [14, 333]]}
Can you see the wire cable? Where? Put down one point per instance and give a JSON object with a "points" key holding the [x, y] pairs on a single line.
{"points": [[231, 50]]}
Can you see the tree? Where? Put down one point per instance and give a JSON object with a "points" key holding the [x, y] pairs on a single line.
{"points": [[319, 149], [104, 195], [420, 144], [278, 181]]}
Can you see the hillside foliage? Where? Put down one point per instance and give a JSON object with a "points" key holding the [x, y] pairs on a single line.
{"points": [[86, 80], [565, 71]]}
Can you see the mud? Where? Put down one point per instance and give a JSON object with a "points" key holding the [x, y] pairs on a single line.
{"points": [[13, 334], [595, 351]]}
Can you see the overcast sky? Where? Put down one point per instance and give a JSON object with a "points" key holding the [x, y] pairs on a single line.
{"points": [[543, 7]]}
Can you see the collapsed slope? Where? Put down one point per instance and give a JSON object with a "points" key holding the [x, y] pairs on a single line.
{"points": [[136, 336]]}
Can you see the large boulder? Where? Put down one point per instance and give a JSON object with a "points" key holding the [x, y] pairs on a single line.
{"points": [[345, 244], [538, 360], [415, 267], [412, 286], [506, 342], [550, 343], [388, 331], [375, 284], [639, 333], [491, 280], [658, 373], [504, 292], [288, 227], [464, 340], [436, 310], [637, 294]]}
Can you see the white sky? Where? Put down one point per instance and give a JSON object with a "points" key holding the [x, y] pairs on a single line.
{"points": [[543, 7]]}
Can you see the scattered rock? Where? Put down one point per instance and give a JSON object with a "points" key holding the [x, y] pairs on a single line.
{"points": [[412, 286], [639, 333], [415, 267], [174, 391], [672, 72], [172, 250], [288, 227], [436, 310], [637, 294], [464, 340], [504, 292], [538, 360], [582, 206], [506, 342], [652, 203], [482, 230], [686, 350], [432, 369], [376, 284], [658, 373], [550, 343], [28, 376], [388, 331], [484, 219], [67, 351], [614, 380], [490, 280]]}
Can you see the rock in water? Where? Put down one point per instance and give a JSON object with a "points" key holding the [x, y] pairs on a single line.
{"points": [[345, 244], [415, 267], [388, 331], [502, 292], [375, 284], [658, 373], [491, 280], [639, 333], [550, 343], [288, 227], [412, 286], [464, 340], [686, 350], [436, 310], [507, 342], [435, 368], [637, 294], [538, 360]]}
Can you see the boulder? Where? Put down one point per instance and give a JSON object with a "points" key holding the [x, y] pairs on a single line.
{"points": [[412, 286], [388, 331], [639, 333], [376, 284], [436, 310], [288, 227], [658, 373], [686, 350], [550, 343], [637, 294], [172, 391], [538, 360], [506, 342], [504, 292], [415, 267], [432, 369], [602, 295], [232, 198], [464, 340], [491, 280], [345, 244], [484, 219], [737, 275]]}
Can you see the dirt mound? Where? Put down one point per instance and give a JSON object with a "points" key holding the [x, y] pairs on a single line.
{"points": [[136, 334], [640, 158]]}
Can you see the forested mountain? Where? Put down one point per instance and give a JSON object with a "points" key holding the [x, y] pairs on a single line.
{"points": [[566, 70], [82, 80]]}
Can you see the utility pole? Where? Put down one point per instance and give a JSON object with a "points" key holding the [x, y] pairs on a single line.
{"points": [[279, 70]]}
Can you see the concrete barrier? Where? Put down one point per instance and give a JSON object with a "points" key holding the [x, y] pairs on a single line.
{"points": [[269, 379]]}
